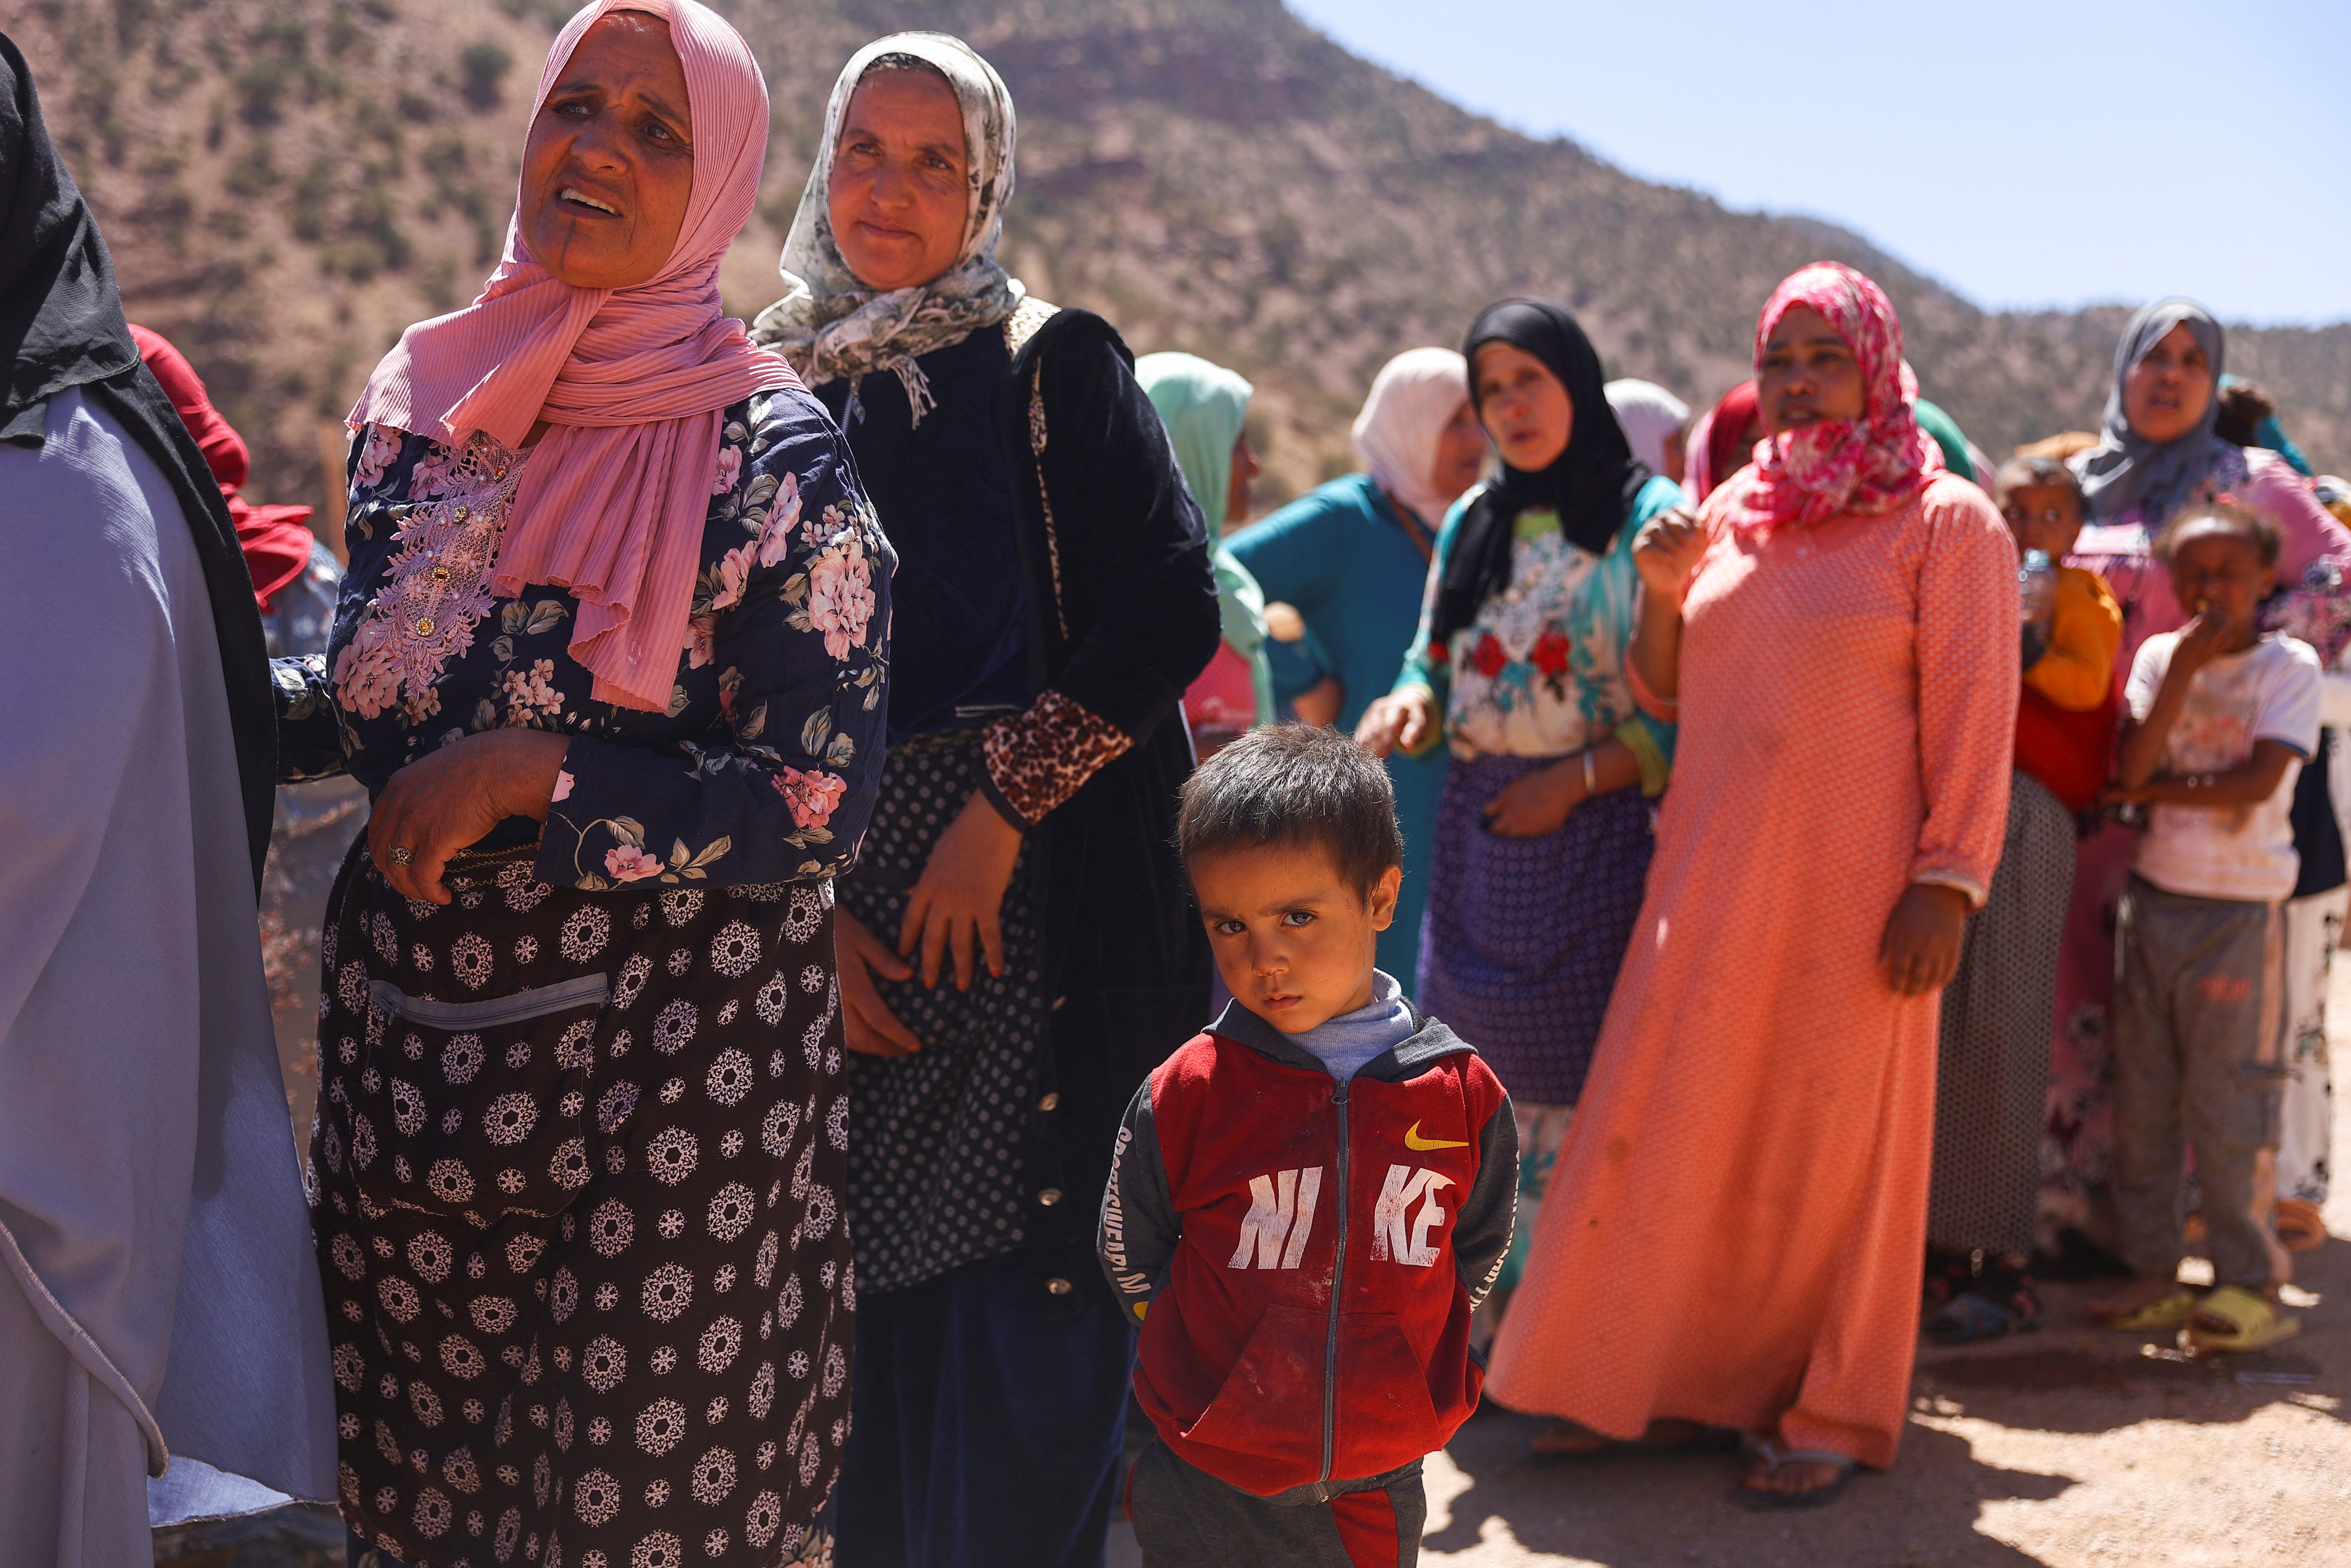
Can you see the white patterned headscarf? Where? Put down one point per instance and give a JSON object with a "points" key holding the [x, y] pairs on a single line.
{"points": [[831, 324]]}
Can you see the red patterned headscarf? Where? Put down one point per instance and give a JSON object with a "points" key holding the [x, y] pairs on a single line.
{"points": [[1870, 466]]}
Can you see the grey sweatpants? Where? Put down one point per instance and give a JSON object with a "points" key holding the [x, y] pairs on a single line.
{"points": [[1186, 1518], [2199, 1015]]}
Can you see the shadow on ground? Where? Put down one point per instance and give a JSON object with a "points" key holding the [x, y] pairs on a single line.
{"points": [[1493, 1502], [1678, 1509], [2074, 1376]]}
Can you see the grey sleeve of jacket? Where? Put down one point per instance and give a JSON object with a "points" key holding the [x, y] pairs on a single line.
{"points": [[1481, 1234], [1138, 1230]]}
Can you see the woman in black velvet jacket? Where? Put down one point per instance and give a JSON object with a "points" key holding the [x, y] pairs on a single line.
{"points": [[1018, 947]]}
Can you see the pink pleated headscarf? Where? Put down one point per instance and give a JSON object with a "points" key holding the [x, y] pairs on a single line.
{"points": [[1870, 466], [631, 382]]}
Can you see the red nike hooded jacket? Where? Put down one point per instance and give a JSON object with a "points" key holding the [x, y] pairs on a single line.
{"points": [[1302, 1255]]}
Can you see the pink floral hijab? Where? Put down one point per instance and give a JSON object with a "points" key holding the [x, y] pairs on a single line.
{"points": [[631, 382], [1870, 465]]}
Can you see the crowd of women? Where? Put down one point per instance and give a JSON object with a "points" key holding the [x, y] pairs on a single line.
{"points": [[766, 905]]}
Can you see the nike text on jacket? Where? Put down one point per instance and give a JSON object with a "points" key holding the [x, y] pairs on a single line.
{"points": [[1302, 1254]]}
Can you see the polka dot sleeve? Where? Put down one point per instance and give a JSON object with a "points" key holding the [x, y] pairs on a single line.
{"points": [[1967, 656]]}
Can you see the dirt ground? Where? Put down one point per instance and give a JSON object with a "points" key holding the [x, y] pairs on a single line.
{"points": [[2070, 1447]]}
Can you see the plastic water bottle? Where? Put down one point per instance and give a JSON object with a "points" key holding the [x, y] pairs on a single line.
{"points": [[2036, 592], [2036, 585]]}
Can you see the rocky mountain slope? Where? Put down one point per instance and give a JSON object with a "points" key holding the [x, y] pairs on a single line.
{"points": [[286, 184]]}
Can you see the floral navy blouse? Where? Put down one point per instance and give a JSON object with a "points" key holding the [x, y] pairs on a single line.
{"points": [[763, 769]]}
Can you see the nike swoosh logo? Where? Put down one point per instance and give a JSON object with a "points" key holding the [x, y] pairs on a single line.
{"points": [[1413, 1141]]}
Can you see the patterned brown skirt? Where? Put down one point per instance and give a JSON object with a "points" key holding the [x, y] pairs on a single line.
{"points": [[576, 1185]]}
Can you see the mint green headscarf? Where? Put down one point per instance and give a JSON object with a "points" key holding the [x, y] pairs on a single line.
{"points": [[1205, 407]]}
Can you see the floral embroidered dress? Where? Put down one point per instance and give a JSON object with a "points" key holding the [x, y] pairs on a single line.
{"points": [[1541, 671], [582, 1132], [1522, 937], [793, 562]]}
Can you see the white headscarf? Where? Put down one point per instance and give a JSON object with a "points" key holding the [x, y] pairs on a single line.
{"points": [[1412, 399], [828, 324], [1647, 414]]}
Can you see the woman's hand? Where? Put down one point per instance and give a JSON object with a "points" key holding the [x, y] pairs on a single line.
{"points": [[439, 804], [1667, 553], [865, 1018], [1536, 802], [1920, 950], [1404, 719], [961, 894]]}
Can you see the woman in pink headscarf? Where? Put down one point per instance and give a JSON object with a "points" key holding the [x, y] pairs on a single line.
{"points": [[1732, 1233], [610, 660]]}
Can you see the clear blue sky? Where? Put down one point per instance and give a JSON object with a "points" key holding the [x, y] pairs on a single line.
{"points": [[2026, 151]]}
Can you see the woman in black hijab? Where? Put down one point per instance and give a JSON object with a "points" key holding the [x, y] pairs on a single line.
{"points": [[1543, 834], [157, 1298]]}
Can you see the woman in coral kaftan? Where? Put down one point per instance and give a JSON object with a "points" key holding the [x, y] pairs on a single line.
{"points": [[1733, 1230]]}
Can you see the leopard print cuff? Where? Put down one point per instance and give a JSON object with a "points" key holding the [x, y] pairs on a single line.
{"points": [[1037, 759]]}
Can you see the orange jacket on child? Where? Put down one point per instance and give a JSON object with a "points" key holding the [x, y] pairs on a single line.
{"points": [[2065, 714]]}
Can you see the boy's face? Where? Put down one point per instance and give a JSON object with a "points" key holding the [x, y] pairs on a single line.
{"points": [[2043, 517], [1293, 938], [2216, 570]]}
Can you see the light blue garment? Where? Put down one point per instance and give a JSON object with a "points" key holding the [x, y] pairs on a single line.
{"points": [[151, 1205], [1344, 1043], [1344, 558]]}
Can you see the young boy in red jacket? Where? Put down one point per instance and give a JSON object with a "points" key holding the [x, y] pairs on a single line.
{"points": [[1306, 1201]]}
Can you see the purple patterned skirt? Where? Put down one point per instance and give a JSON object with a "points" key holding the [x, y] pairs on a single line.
{"points": [[1520, 949]]}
